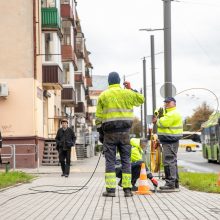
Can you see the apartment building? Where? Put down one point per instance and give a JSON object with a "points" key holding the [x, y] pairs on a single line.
{"points": [[38, 85]]}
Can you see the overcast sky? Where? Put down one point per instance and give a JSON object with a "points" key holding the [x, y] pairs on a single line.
{"points": [[111, 28]]}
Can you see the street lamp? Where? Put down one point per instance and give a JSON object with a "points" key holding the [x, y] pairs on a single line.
{"points": [[152, 64]]}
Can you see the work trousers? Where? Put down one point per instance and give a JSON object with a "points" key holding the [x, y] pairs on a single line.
{"points": [[170, 163], [65, 158], [135, 172], [112, 142]]}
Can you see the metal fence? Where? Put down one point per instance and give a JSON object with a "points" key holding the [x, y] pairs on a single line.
{"points": [[12, 153]]}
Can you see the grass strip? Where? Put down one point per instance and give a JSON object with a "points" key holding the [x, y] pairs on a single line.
{"points": [[13, 178], [204, 182]]}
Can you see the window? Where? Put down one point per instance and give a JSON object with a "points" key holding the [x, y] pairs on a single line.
{"points": [[48, 3], [66, 73], [94, 102], [66, 40], [79, 64], [48, 46]]}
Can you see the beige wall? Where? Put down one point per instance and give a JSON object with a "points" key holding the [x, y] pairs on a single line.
{"points": [[16, 41], [21, 114], [17, 111]]}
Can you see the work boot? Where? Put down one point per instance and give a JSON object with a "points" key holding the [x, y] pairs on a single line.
{"points": [[120, 183], [154, 182], [108, 194], [167, 187], [177, 185], [134, 188], [127, 192]]}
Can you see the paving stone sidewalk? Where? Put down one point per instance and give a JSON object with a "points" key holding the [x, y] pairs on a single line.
{"points": [[88, 203]]}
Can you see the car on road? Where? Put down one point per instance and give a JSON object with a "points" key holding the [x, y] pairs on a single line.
{"points": [[190, 145]]}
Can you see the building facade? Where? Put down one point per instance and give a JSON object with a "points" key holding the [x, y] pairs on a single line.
{"points": [[38, 83]]}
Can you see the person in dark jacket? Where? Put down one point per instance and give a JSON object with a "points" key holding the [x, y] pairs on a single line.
{"points": [[65, 139]]}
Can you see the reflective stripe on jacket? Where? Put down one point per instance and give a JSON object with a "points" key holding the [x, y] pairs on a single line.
{"points": [[170, 126], [116, 105]]}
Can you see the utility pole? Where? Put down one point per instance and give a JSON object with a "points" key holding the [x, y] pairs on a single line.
{"points": [[153, 73], [167, 48], [145, 96], [141, 116]]}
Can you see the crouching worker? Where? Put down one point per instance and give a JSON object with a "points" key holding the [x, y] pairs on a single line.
{"points": [[137, 158]]}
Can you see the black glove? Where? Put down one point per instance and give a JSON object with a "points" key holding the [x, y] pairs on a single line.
{"points": [[101, 135], [160, 112]]}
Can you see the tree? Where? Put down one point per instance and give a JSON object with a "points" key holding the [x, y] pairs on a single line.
{"points": [[200, 115], [136, 127]]}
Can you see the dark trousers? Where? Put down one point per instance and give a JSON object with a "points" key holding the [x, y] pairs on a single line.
{"points": [[64, 158], [135, 172], [170, 163], [112, 142]]}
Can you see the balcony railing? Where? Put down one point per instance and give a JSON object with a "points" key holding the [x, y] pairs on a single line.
{"points": [[50, 18], [52, 77], [67, 12], [68, 96], [80, 108], [79, 78]]}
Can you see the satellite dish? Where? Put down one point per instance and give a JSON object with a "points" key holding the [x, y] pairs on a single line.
{"points": [[162, 91]]}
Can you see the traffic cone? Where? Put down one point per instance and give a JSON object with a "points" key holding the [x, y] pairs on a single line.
{"points": [[143, 187], [218, 181]]}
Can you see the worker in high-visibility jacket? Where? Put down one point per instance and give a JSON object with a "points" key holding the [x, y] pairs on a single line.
{"points": [[137, 158], [169, 130], [114, 117]]}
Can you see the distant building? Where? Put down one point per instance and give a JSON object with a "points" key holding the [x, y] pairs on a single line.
{"points": [[100, 83]]}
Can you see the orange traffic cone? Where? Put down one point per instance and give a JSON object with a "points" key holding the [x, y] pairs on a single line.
{"points": [[218, 181], [143, 187]]}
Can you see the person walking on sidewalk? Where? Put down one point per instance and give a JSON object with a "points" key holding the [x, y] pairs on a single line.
{"points": [[137, 158], [170, 130], [114, 117], [65, 139]]}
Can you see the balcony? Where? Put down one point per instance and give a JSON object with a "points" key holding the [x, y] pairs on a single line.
{"points": [[68, 96], [79, 78], [50, 18], [67, 12], [88, 81], [52, 77], [69, 55], [80, 108]]}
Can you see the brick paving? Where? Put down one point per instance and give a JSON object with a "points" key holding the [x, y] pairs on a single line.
{"points": [[88, 203]]}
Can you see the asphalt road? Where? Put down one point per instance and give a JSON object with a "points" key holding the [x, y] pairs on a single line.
{"points": [[194, 162]]}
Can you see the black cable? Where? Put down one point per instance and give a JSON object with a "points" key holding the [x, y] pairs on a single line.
{"points": [[75, 188]]}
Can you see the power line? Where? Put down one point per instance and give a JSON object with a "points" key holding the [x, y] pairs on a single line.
{"points": [[197, 3]]}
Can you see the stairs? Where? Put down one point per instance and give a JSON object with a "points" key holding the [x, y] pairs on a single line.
{"points": [[50, 154]]}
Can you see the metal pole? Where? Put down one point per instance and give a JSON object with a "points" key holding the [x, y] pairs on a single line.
{"points": [[145, 96], [141, 116], [38, 158], [167, 48], [14, 157], [153, 73]]}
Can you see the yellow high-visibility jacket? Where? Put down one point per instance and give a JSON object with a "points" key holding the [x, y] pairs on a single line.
{"points": [[170, 126], [136, 150], [115, 108]]}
